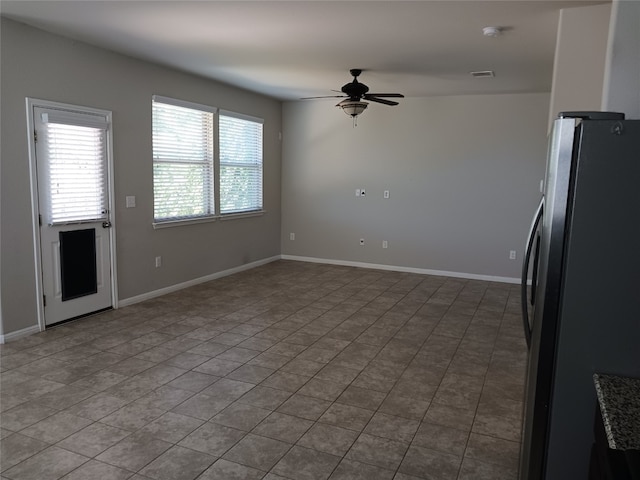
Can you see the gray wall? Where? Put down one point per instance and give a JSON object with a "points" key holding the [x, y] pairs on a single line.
{"points": [[622, 74], [463, 174], [579, 63], [44, 66]]}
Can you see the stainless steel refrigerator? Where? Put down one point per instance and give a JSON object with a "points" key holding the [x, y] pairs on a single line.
{"points": [[581, 310]]}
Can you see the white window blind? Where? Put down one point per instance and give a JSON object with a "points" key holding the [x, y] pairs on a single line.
{"points": [[240, 163], [76, 169], [182, 160]]}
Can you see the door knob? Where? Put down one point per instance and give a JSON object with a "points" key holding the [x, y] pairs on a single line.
{"points": [[106, 224]]}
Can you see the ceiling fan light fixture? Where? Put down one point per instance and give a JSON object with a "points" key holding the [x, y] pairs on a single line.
{"points": [[353, 108]]}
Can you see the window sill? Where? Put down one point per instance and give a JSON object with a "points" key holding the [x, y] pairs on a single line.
{"points": [[233, 216], [208, 219], [185, 221]]}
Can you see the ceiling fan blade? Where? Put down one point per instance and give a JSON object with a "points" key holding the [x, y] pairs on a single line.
{"points": [[326, 96], [380, 100], [396, 95]]}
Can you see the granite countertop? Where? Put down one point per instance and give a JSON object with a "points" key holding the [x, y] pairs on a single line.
{"points": [[619, 399]]}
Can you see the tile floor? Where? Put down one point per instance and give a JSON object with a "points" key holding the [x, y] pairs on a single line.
{"points": [[287, 371]]}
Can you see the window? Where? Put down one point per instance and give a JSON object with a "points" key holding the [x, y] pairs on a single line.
{"points": [[185, 165], [75, 144], [240, 164], [182, 160]]}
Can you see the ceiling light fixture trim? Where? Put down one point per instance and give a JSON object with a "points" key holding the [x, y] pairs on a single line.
{"points": [[353, 108]]}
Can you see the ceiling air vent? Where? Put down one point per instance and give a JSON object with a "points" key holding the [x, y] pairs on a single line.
{"points": [[483, 73]]}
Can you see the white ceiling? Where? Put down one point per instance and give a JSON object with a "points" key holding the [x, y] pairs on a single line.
{"points": [[293, 49]]}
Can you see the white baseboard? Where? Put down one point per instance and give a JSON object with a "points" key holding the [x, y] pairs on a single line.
{"points": [[423, 271], [19, 333], [196, 281]]}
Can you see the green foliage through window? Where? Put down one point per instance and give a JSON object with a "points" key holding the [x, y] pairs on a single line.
{"points": [[240, 165]]}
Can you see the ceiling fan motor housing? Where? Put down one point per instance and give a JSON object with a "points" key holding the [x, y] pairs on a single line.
{"points": [[355, 89]]}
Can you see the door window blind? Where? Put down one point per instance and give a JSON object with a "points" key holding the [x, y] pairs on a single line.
{"points": [[182, 161], [240, 163], [76, 169]]}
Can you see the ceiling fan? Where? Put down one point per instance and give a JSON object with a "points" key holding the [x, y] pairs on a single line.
{"points": [[355, 92]]}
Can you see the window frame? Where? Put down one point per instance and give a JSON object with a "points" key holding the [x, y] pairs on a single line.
{"points": [[205, 159], [257, 166], [216, 168], [56, 125]]}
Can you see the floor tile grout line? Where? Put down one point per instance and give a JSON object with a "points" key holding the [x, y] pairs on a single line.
{"points": [[397, 470], [475, 411]]}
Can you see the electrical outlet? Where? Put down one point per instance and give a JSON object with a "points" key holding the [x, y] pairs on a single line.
{"points": [[512, 254], [362, 241], [292, 236], [158, 262], [385, 244], [385, 194], [130, 201], [358, 192]]}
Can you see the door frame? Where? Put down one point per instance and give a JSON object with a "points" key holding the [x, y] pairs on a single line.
{"points": [[35, 209]]}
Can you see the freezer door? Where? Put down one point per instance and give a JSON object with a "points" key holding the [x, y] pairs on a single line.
{"points": [[540, 368]]}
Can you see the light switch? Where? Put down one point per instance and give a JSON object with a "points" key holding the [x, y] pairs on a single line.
{"points": [[131, 201]]}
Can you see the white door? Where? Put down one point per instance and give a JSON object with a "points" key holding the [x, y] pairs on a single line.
{"points": [[73, 197]]}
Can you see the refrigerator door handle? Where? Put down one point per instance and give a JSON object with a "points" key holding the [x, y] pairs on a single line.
{"points": [[534, 274], [525, 272]]}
